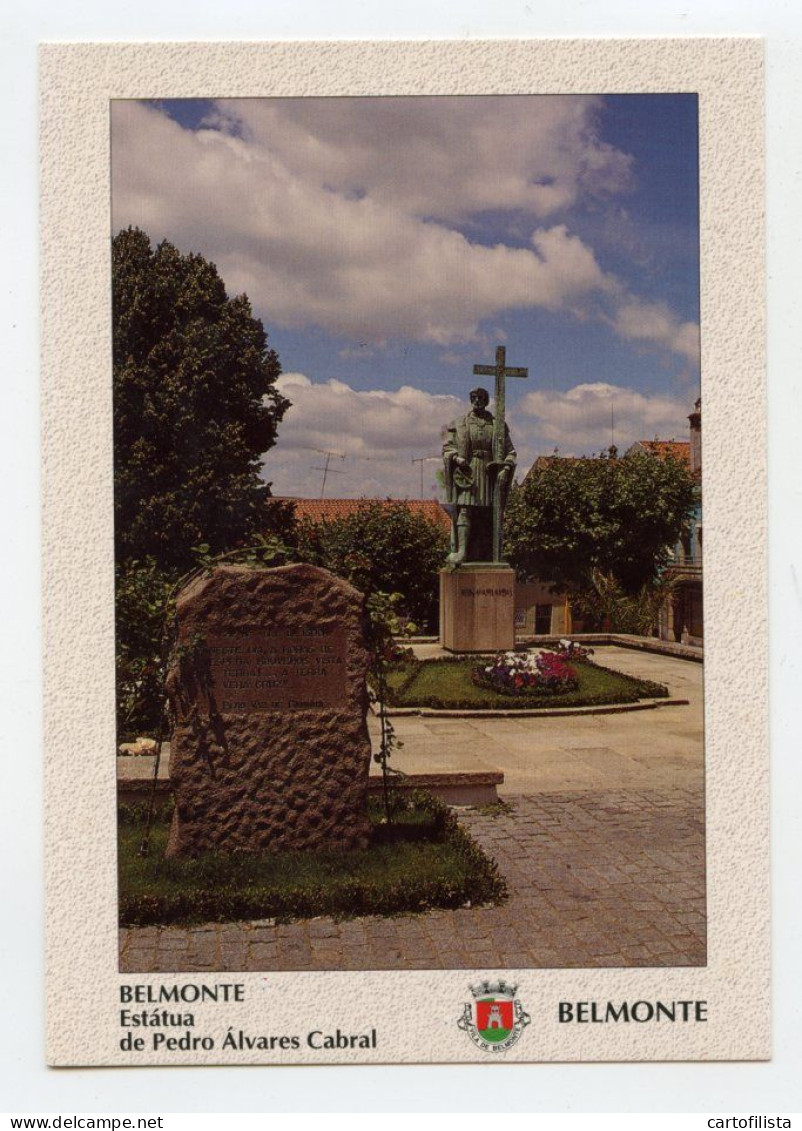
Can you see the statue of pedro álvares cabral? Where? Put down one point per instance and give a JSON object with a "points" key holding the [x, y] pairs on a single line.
{"points": [[470, 478]]}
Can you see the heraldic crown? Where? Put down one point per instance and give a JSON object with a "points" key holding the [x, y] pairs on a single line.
{"points": [[482, 989]]}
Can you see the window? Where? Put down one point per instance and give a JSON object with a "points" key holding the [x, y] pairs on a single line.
{"points": [[542, 620]]}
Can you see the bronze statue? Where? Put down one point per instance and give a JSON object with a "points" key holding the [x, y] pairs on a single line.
{"points": [[479, 462]]}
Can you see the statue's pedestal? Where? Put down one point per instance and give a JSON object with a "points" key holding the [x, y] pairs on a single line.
{"points": [[477, 607]]}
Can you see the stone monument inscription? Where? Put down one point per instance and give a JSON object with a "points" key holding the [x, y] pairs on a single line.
{"points": [[270, 748], [290, 670]]}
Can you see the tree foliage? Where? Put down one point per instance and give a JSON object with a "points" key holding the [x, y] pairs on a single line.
{"points": [[383, 548], [195, 405], [145, 615], [147, 626], [603, 605], [571, 519]]}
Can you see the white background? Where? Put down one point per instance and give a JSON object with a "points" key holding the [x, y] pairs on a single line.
{"points": [[726, 1088]]}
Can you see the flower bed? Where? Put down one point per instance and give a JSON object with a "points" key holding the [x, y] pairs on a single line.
{"points": [[515, 673], [572, 650], [447, 684]]}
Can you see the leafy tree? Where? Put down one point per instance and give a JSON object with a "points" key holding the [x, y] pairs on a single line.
{"points": [[195, 405], [571, 519], [144, 623], [279, 519], [383, 548], [146, 626], [603, 605]]}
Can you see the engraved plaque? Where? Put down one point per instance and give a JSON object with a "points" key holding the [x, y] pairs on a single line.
{"points": [[270, 749], [263, 670]]}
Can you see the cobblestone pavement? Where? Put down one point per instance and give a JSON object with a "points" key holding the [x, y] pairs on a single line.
{"points": [[596, 878]]}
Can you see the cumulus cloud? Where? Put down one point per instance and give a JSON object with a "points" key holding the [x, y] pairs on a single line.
{"points": [[313, 254], [443, 158], [359, 216], [578, 421], [656, 324], [373, 436]]}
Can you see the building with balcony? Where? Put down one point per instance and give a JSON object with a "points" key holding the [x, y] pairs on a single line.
{"points": [[539, 610], [682, 618]]}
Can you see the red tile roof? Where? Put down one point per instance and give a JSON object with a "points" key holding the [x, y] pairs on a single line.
{"points": [[329, 510], [679, 449], [547, 461], [542, 462]]}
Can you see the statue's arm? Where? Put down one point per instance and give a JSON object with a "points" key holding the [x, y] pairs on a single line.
{"points": [[450, 442], [454, 447], [449, 455], [508, 468], [510, 454]]}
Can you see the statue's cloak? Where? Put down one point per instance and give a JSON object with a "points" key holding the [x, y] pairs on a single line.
{"points": [[471, 438]]}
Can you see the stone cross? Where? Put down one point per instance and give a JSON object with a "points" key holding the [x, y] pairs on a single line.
{"points": [[500, 370]]}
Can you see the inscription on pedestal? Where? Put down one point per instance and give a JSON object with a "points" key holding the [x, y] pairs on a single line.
{"points": [[486, 591], [477, 609], [278, 671]]}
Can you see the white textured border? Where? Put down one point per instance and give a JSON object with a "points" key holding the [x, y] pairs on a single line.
{"points": [[77, 82]]}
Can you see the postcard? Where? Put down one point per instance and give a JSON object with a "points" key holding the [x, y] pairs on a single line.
{"points": [[405, 529]]}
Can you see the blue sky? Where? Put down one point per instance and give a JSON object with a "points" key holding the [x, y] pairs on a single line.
{"points": [[389, 244]]}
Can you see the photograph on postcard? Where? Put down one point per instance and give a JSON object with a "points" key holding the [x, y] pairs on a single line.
{"points": [[408, 535]]}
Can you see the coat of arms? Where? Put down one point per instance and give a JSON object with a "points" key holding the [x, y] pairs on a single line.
{"points": [[495, 1019]]}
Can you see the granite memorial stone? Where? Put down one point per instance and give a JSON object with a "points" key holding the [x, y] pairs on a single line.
{"points": [[270, 748]]}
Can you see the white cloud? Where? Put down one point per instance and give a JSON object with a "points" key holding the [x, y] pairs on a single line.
{"points": [[443, 158], [655, 323], [379, 434], [310, 255], [341, 213], [578, 421]]}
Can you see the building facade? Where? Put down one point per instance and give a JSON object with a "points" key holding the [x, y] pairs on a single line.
{"points": [[682, 617], [539, 611]]}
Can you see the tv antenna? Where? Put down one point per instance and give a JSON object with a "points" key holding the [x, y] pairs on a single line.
{"points": [[326, 469], [422, 460]]}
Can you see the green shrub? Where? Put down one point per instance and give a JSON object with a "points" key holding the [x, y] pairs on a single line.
{"points": [[425, 859], [386, 548], [143, 625]]}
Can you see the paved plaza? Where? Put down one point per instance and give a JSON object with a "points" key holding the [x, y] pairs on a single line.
{"points": [[656, 749], [600, 837]]}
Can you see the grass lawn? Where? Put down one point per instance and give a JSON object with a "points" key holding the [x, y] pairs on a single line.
{"points": [[424, 859], [446, 684]]}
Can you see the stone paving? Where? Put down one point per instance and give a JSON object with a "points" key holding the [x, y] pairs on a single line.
{"points": [[610, 877], [657, 749], [602, 847]]}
